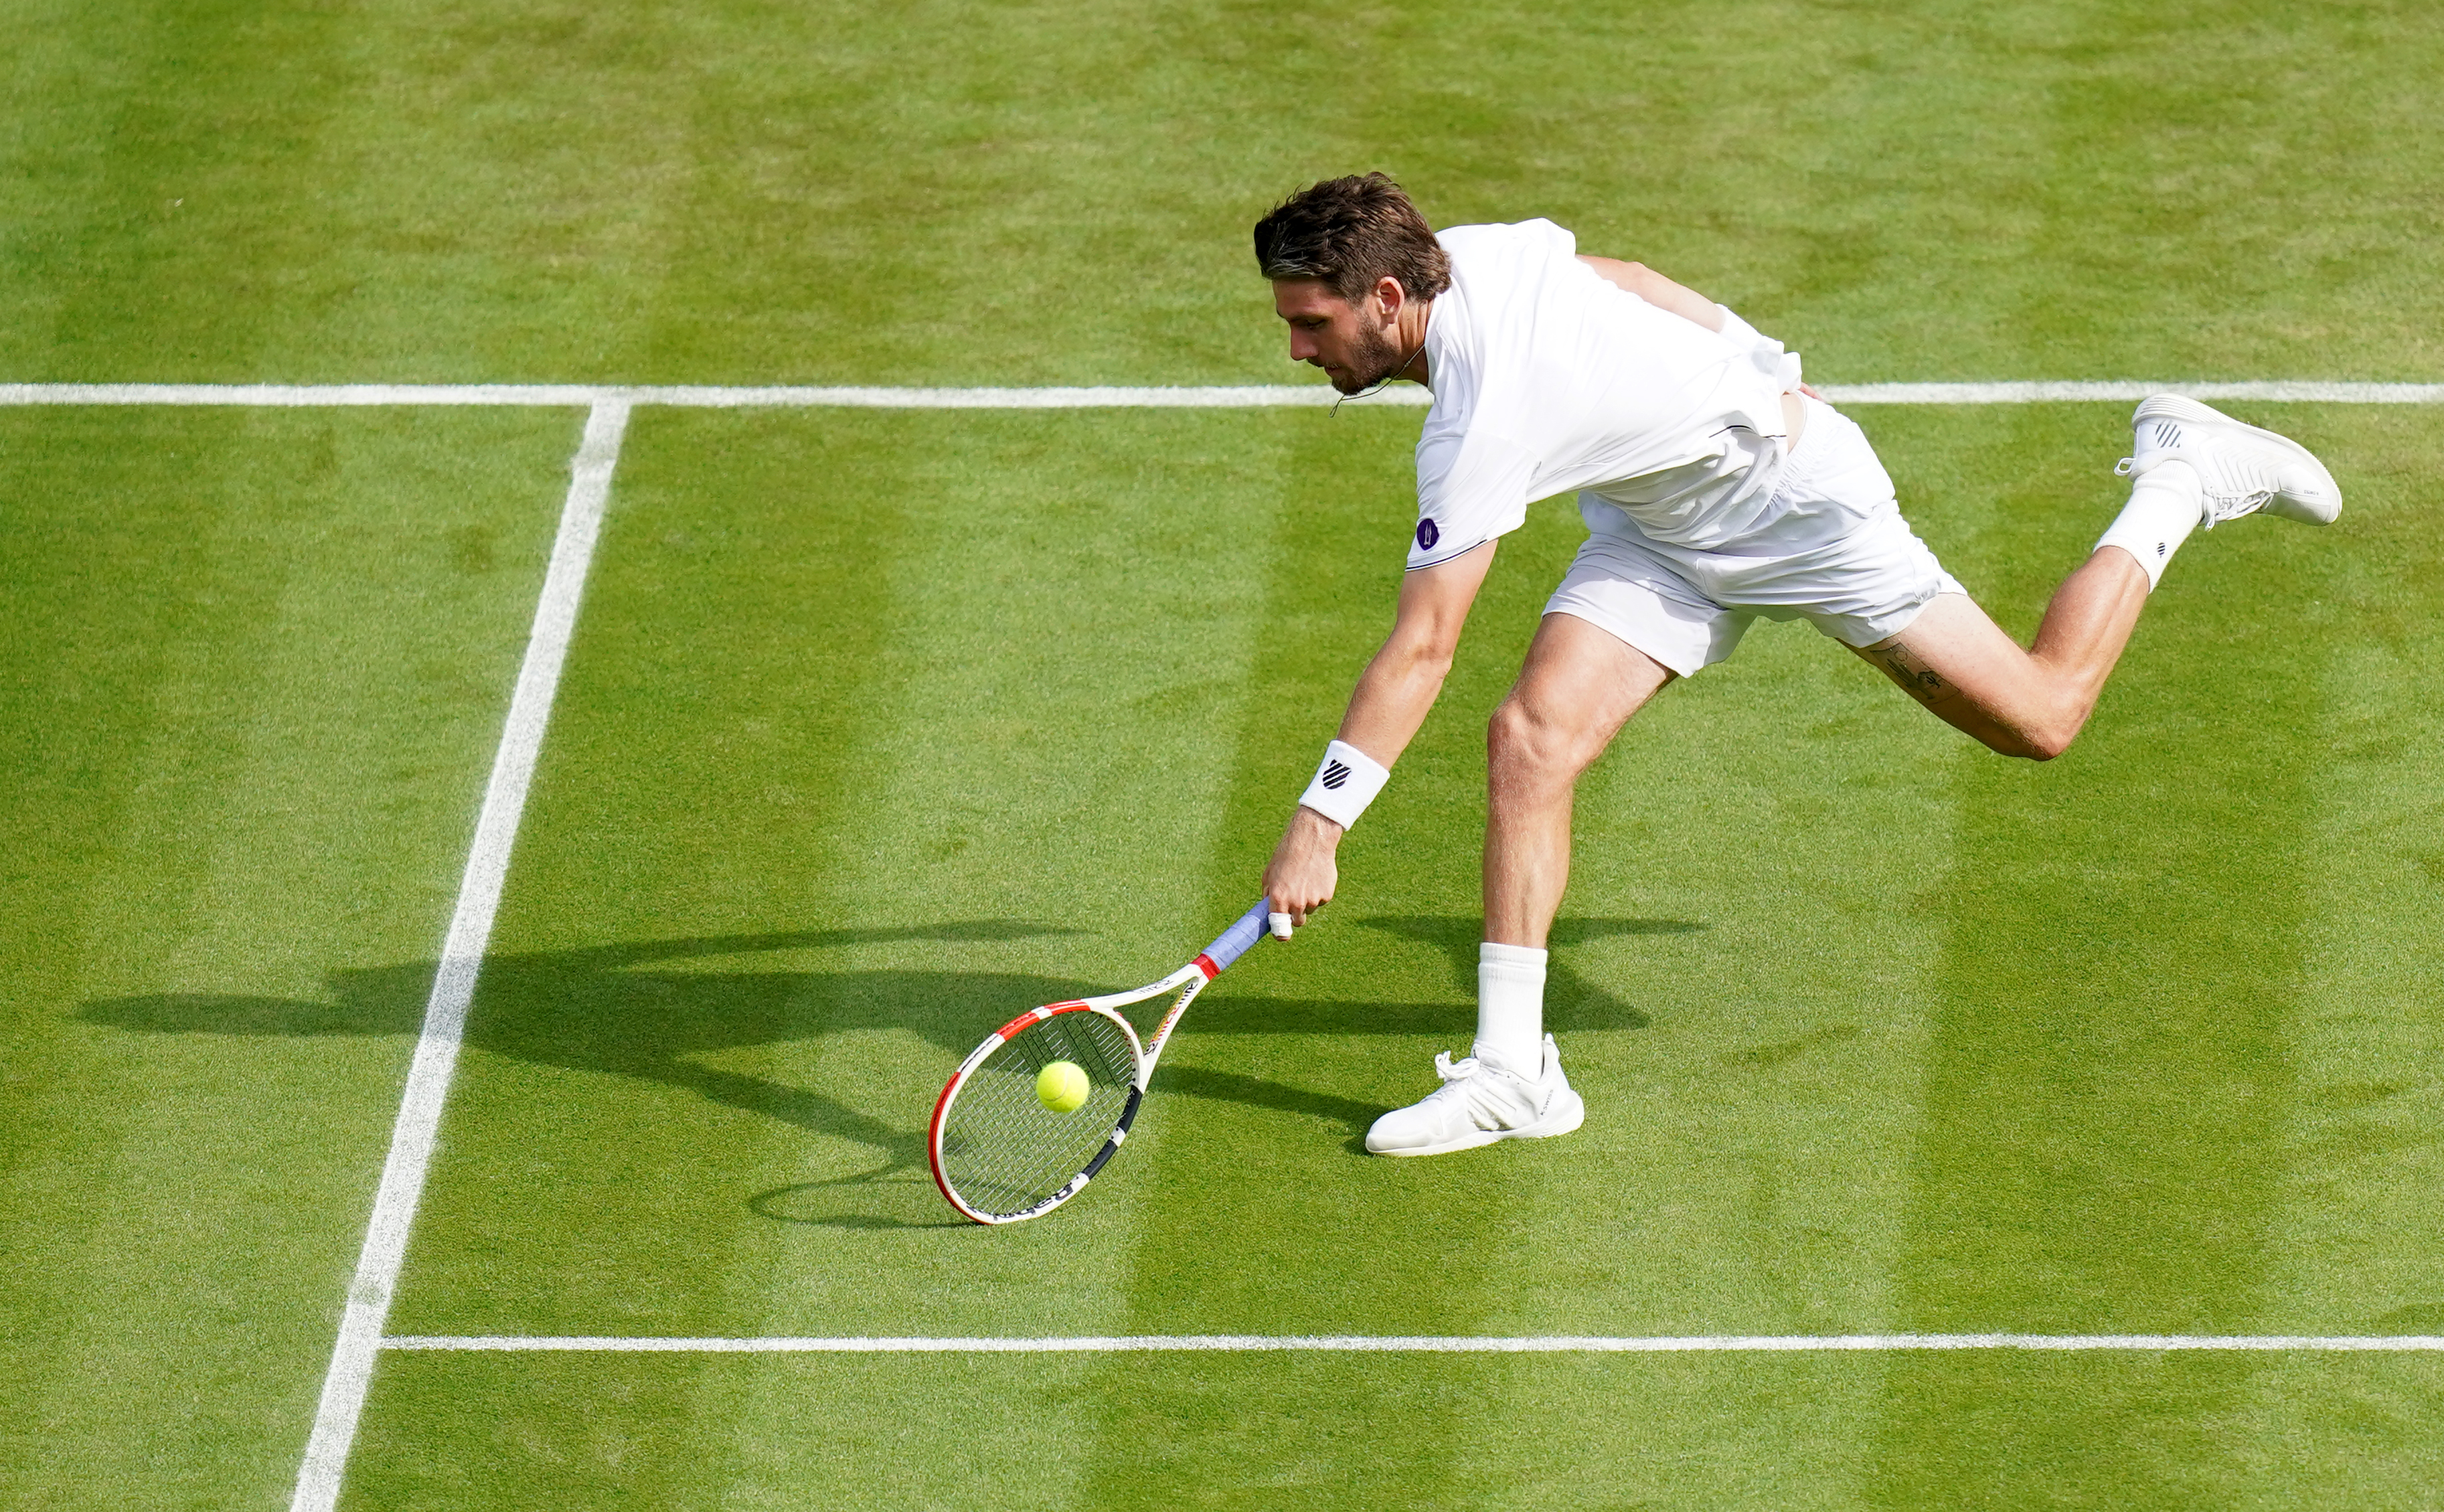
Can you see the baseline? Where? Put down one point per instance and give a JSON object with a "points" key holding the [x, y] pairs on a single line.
{"points": [[1246, 396], [462, 956], [1436, 1344]]}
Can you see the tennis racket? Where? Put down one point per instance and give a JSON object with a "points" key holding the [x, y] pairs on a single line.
{"points": [[1002, 1151]]}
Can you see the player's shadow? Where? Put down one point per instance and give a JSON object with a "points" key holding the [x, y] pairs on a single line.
{"points": [[663, 1010], [1572, 1000]]}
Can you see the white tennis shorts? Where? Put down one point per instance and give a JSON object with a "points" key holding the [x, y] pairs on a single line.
{"points": [[1835, 550]]}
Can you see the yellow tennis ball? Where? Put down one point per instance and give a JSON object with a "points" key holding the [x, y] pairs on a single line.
{"points": [[1061, 1086]]}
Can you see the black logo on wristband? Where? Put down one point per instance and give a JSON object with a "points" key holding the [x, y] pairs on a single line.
{"points": [[1428, 533], [1335, 774]]}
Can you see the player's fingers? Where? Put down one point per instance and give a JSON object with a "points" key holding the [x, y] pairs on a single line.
{"points": [[1290, 909]]}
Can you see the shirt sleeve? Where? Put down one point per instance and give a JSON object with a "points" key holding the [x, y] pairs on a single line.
{"points": [[1470, 489]]}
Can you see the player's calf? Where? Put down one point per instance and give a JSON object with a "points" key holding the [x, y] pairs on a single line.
{"points": [[1957, 662]]}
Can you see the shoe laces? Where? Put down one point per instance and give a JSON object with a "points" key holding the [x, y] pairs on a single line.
{"points": [[2237, 486], [1473, 1083]]}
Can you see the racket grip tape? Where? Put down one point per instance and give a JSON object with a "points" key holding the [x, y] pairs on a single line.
{"points": [[1233, 942]]}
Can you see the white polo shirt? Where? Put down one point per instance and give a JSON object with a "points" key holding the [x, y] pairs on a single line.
{"points": [[1547, 378]]}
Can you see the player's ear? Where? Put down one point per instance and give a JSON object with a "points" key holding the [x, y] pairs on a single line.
{"points": [[1389, 296]]}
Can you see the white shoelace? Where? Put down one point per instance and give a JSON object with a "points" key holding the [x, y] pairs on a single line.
{"points": [[1472, 1082], [2239, 488]]}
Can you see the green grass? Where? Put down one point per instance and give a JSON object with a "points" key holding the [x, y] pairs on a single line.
{"points": [[257, 665], [878, 726], [1880, 1032], [958, 191]]}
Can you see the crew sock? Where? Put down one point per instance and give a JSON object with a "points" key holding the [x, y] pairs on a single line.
{"points": [[2165, 506], [1510, 1007]]}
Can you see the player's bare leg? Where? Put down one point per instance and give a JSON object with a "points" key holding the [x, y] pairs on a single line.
{"points": [[2193, 466], [2032, 703], [1580, 685]]}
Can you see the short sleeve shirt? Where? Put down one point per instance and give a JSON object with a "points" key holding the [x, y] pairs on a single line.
{"points": [[1548, 379]]}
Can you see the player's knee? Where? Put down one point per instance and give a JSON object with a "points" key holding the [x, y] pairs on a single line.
{"points": [[1510, 736], [1520, 743], [2050, 742], [2062, 725], [2040, 741]]}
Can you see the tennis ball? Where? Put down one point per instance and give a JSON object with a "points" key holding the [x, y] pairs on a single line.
{"points": [[1061, 1086]]}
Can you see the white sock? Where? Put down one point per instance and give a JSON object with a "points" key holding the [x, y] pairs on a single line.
{"points": [[2165, 506], [1510, 1007]]}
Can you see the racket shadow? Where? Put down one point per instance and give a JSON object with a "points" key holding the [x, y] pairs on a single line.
{"points": [[660, 1011], [1348, 1114], [813, 1204], [1573, 999]]}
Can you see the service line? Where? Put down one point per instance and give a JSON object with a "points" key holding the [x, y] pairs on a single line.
{"points": [[1438, 1344], [1241, 398], [462, 955]]}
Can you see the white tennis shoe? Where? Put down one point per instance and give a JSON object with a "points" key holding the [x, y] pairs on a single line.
{"points": [[2244, 470], [1481, 1100]]}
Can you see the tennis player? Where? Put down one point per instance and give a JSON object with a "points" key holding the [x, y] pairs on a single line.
{"points": [[1716, 487]]}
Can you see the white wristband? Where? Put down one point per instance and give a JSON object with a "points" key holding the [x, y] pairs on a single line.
{"points": [[1345, 782], [1764, 353]]}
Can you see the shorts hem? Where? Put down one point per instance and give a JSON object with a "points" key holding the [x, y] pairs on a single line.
{"points": [[1679, 666], [1885, 626]]}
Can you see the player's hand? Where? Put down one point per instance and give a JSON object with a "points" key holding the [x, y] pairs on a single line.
{"points": [[1809, 388], [1302, 874]]}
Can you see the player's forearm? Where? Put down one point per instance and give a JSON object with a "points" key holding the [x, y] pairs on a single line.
{"points": [[1393, 697], [1400, 686]]}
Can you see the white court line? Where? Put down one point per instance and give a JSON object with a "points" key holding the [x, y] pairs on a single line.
{"points": [[1254, 396], [462, 954], [1438, 1344]]}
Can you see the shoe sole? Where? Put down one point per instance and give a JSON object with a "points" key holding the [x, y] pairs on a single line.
{"points": [[2283, 506], [1567, 1113]]}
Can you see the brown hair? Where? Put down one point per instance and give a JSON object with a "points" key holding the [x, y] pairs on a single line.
{"points": [[1351, 232]]}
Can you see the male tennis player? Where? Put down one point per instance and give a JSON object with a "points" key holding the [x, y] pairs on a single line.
{"points": [[1715, 489]]}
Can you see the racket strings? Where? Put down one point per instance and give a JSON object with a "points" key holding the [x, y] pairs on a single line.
{"points": [[1003, 1151]]}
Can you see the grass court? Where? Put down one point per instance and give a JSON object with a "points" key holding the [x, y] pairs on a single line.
{"points": [[877, 726]]}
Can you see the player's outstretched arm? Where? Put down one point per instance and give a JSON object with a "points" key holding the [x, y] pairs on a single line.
{"points": [[1391, 698]]}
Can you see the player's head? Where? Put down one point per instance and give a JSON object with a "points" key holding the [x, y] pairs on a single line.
{"points": [[1345, 256]]}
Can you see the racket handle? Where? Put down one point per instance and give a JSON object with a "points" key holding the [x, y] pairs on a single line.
{"points": [[1233, 943]]}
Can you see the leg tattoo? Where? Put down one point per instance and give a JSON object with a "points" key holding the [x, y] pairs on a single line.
{"points": [[1906, 668]]}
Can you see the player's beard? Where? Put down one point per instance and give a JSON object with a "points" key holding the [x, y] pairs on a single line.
{"points": [[1372, 359]]}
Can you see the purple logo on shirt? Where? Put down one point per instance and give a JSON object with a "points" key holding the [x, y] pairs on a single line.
{"points": [[1427, 535]]}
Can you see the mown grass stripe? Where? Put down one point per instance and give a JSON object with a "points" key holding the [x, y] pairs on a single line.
{"points": [[1429, 1343], [1246, 396], [462, 954]]}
